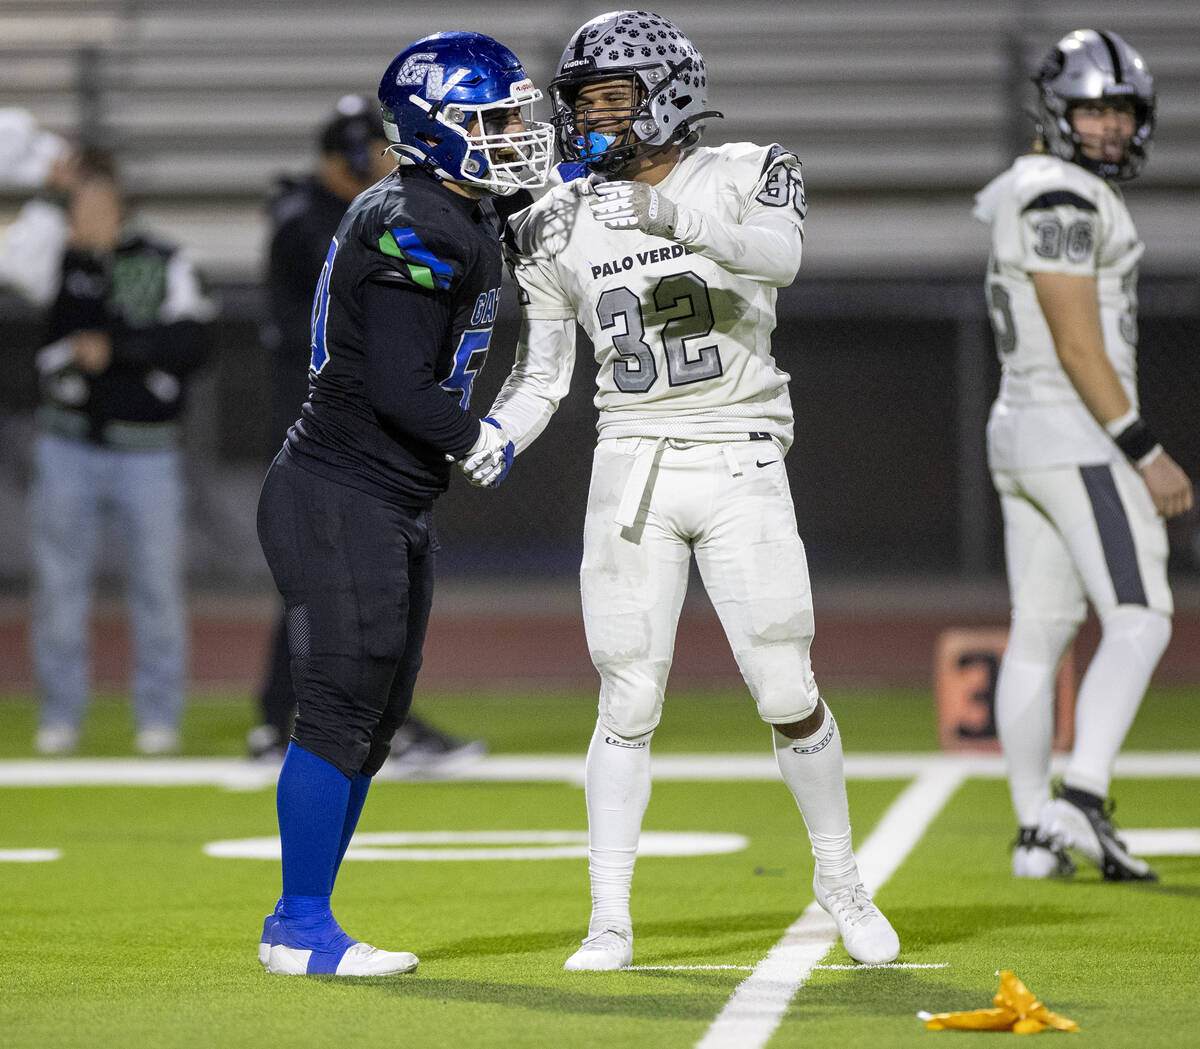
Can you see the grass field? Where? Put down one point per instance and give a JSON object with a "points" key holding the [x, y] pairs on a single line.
{"points": [[137, 937]]}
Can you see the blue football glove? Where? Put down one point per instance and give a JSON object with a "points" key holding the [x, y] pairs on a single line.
{"points": [[490, 457]]}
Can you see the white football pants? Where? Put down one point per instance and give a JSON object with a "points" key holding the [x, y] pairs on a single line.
{"points": [[1082, 532], [729, 503], [1074, 534]]}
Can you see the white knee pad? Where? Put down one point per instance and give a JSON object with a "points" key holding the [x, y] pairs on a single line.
{"points": [[782, 684], [631, 699], [1040, 640], [1146, 631]]}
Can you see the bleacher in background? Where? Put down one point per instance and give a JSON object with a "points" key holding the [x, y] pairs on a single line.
{"points": [[900, 110]]}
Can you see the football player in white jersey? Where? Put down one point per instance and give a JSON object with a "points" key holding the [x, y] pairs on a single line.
{"points": [[669, 255], [1083, 484]]}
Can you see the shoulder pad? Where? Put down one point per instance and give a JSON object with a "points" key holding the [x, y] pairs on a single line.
{"points": [[420, 255], [1054, 198], [412, 235], [776, 154]]}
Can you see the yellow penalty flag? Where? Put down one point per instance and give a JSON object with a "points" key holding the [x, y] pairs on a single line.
{"points": [[1016, 1009]]}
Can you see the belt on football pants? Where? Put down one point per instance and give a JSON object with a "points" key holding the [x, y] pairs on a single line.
{"points": [[639, 476], [636, 483]]}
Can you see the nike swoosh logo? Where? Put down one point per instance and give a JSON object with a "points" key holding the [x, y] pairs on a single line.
{"points": [[759, 463]]}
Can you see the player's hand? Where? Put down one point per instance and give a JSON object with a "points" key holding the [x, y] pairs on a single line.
{"points": [[490, 457], [1169, 485], [633, 205]]}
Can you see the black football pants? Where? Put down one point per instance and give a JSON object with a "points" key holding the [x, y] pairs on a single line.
{"points": [[356, 575]]}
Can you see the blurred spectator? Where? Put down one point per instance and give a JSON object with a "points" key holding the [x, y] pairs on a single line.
{"points": [[304, 215], [127, 324]]}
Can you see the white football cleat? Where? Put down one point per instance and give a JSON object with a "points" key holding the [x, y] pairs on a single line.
{"points": [[56, 739], [1078, 820], [867, 935], [360, 959], [603, 952], [157, 740], [267, 939], [1036, 856]]}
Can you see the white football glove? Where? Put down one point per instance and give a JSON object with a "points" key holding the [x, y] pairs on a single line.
{"points": [[633, 205], [490, 457]]}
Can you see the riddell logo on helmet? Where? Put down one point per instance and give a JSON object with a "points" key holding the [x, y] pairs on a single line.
{"points": [[524, 89]]}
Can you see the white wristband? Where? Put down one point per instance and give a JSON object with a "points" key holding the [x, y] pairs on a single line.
{"points": [[1116, 427], [1150, 456]]}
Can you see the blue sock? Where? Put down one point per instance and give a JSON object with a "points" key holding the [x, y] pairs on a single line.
{"points": [[305, 922], [311, 800], [354, 806]]}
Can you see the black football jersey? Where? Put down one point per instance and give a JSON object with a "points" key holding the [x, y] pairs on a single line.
{"points": [[407, 234]]}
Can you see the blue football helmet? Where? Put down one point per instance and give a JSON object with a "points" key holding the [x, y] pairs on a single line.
{"points": [[447, 103]]}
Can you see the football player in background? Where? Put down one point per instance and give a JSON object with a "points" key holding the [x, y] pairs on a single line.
{"points": [[401, 323], [669, 255], [1083, 484]]}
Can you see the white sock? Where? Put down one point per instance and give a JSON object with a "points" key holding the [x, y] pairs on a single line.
{"points": [[1025, 708], [617, 785], [814, 771], [1133, 641]]}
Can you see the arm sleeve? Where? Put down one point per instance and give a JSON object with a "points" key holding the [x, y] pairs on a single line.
{"points": [[404, 327], [539, 380], [766, 241]]}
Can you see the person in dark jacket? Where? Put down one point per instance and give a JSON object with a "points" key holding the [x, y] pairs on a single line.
{"points": [[128, 325]]}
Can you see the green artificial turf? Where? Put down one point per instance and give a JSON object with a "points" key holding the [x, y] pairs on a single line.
{"points": [[137, 939], [873, 720]]}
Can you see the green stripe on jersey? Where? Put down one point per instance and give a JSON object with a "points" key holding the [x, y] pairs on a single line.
{"points": [[421, 275]]}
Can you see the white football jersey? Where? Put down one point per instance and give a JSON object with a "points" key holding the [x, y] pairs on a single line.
{"points": [[683, 342], [1049, 215]]}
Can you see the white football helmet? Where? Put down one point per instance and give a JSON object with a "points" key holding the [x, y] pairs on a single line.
{"points": [[666, 71], [1092, 66]]}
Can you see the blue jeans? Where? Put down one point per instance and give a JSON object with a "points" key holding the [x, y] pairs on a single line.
{"points": [[76, 486]]}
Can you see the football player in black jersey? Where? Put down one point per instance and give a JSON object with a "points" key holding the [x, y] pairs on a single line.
{"points": [[401, 323], [304, 215]]}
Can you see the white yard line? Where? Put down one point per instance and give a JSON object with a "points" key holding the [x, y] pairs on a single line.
{"points": [[684, 968], [758, 1005], [750, 968], [239, 774], [30, 855]]}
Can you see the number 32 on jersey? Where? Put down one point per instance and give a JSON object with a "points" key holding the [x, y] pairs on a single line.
{"points": [[683, 299]]}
